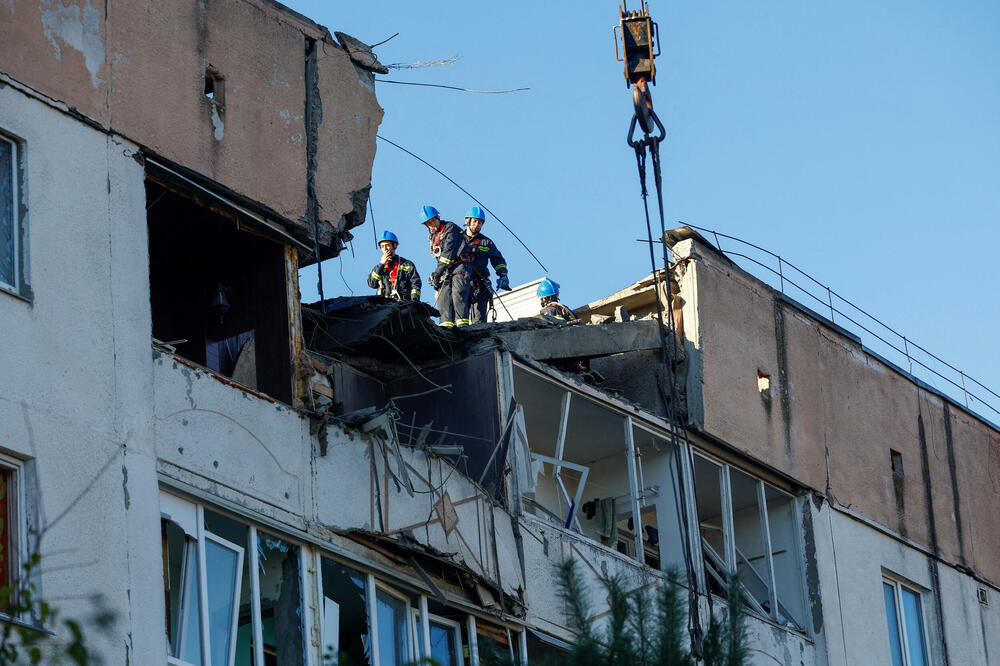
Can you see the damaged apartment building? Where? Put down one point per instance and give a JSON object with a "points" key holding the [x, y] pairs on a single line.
{"points": [[244, 479]]}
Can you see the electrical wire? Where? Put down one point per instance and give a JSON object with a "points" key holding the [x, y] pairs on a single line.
{"points": [[469, 194], [439, 85], [341, 257]]}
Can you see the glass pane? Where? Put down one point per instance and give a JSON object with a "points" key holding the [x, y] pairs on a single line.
{"points": [[890, 613], [346, 638], [913, 616], [708, 492], [444, 646], [393, 637], [751, 553], [180, 587], [236, 532], [223, 577], [280, 601], [189, 641], [785, 549], [7, 226]]}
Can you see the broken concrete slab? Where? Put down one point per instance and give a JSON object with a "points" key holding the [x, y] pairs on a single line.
{"points": [[582, 341]]}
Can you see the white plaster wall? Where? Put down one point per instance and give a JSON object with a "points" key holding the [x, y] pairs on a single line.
{"points": [[852, 556], [75, 368], [223, 436]]}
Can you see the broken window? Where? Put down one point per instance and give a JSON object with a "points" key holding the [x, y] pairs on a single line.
{"points": [[749, 528], [596, 471], [218, 289], [233, 595], [346, 637], [496, 644], [280, 601], [12, 236]]}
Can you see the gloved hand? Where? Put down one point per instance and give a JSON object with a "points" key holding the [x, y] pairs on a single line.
{"points": [[437, 277], [503, 282]]}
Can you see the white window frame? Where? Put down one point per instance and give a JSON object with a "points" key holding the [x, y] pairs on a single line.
{"points": [[423, 619], [253, 534], [372, 589], [17, 527], [897, 591], [729, 556]]}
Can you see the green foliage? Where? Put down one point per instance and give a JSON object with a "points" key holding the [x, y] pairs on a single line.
{"points": [[645, 633], [30, 641]]}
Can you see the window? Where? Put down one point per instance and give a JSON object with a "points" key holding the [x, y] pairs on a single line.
{"points": [[750, 528], [905, 618], [596, 471], [11, 530], [445, 639], [218, 289], [12, 236], [233, 594]]}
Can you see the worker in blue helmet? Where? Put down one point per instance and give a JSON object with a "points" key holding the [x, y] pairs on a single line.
{"points": [[548, 292], [484, 252], [450, 278], [394, 276]]}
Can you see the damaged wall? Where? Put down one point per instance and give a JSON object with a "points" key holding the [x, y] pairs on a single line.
{"points": [[76, 368], [833, 414], [108, 61]]}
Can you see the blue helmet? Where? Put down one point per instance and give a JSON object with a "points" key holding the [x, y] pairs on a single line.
{"points": [[477, 213], [547, 287], [388, 236], [426, 213]]}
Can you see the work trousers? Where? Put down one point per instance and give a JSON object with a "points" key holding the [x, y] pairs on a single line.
{"points": [[479, 303], [453, 298]]}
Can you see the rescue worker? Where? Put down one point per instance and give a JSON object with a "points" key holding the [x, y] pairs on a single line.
{"points": [[450, 278], [394, 276], [484, 252], [548, 291]]}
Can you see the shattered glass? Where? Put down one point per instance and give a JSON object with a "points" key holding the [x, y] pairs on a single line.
{"points": [[346, 639], [280, 601]]}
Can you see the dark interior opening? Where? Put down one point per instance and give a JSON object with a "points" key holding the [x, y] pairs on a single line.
{"points": [[221, 289]]}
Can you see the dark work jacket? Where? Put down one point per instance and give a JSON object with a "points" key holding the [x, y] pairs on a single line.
{"points": [[484, 252], [559, 311], [448, 246], [397, 279]]}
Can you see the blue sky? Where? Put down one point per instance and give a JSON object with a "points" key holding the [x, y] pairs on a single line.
{"points": [[859, 140]]}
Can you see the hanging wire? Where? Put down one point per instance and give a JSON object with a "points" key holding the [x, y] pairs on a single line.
{"points": [[372, 211], [439, 85], [469, 194]]}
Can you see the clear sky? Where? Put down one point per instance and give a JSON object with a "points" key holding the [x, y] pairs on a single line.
{"points": [[859, 140]]}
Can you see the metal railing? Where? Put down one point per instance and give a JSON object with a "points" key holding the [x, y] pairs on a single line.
{"points": [[957, 384]]}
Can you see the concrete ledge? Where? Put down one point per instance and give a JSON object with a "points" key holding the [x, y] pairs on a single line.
{"points": [[583, 341]]}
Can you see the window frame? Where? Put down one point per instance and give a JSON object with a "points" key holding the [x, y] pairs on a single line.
{"points": [[423, 618], [898, 585], [251, 555], [372, 589], [730, 555], [17, 543], [19, 286]]}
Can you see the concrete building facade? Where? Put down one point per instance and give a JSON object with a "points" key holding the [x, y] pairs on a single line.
{"points": [[243, 479]]}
